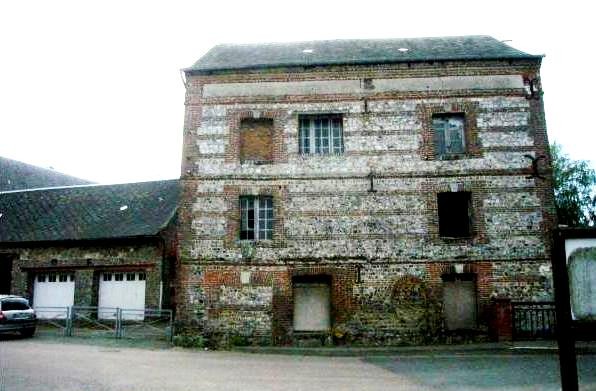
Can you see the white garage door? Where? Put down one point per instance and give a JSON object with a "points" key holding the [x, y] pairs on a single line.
{"points": [[52, 293], [125, 290]]}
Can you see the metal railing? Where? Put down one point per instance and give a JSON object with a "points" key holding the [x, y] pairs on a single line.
{"points": [[533, 320], [89, 321]]}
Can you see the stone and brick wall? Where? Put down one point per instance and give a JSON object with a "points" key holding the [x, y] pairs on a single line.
{"points": [[87, 262], [327, 222]]}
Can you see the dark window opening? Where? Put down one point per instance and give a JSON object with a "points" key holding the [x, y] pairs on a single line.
{"points": [[455, 214], [256, 140], [119, 277], [256, 218], [449, 135]]}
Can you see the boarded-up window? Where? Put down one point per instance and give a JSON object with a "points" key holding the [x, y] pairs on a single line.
{"points": [[449, 135], [312, 306], [455, 214], [459, 302], [256, 140], [582, 282]]}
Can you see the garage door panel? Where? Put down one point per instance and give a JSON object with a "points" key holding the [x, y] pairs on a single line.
{"points": [[122, 290], [52, 293]]}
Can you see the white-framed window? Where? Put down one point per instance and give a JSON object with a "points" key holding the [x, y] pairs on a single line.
{"points": [[142, 276], [130, 276], [256, 218], [41, 278], [107, 276], [449, 134], [321, 134], [118, 276]]}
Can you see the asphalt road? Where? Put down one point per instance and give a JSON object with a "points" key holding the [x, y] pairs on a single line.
{"points": [[41, 365]]}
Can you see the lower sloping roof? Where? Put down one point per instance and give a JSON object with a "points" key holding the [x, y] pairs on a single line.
{"points": [[88, 212]]}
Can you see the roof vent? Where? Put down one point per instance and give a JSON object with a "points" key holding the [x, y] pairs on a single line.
{"points": [[403, 50], [123, 208], [307, 51]]}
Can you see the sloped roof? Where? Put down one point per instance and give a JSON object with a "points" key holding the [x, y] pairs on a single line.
{"points": [[15, 175], [87, 212], [355, 51]]}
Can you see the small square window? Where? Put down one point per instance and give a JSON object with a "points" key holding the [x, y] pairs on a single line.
{"points": [[41, 278], [118, 276], [130, 276], [107, 276], [52, 277], [449, 135], [63, 277], [142, 277], [321, 134], [72, 277], [455, 214], [256, 218]]}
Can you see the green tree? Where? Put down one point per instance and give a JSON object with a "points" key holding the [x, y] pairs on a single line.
{"points": [[575, 189]]}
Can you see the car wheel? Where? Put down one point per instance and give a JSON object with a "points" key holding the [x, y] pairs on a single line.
{"points": [[26, 333]]}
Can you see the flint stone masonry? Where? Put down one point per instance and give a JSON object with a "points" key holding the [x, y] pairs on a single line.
{"points": [[379, 250]]}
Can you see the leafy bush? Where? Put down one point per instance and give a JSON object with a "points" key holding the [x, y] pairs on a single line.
{"points": [[189, 341]]}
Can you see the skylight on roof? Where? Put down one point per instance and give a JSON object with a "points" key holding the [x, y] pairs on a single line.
{"points": [[403, 50], [307, 51], [123, 207]]}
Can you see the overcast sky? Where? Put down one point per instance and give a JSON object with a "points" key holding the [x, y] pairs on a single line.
{"points": [[93, 89]]}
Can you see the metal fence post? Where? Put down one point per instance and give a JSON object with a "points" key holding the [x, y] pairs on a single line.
{"points": [[68, 329], [118, 323]]}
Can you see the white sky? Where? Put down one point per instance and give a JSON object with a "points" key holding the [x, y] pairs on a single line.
{"points": [[93, 89]]}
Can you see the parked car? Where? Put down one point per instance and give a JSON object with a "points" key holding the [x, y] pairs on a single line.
{"points": [[17, 315]]}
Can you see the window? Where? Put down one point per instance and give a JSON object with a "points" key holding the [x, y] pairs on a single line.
{"points": [[142, 277], [107, 276], [449, 135], [14, 305], [455, 214], [63, 277], [130, 276], [321, 134], [256, 218], [52, 277], [118, 276], [41, 278], [256, 140]]}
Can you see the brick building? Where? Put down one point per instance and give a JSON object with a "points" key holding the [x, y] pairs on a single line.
{"points": [[382, 191], [111, 246]]}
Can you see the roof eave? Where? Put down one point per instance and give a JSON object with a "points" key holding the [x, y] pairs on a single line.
{"points": [[202, 71]]}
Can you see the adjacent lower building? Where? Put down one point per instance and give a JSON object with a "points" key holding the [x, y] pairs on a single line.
{"points": [[108, 246], [370, 191]]}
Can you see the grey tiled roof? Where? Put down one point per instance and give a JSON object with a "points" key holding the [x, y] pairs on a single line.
{"points": [[15, 175], [87, 212], [355, 51]]}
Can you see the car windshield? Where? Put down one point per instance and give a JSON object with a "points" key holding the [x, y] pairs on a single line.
{"points": [[14, 305]]}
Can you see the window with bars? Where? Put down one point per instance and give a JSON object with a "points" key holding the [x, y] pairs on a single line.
{"points": [[256, 218], [449, 135], [321, 134]]}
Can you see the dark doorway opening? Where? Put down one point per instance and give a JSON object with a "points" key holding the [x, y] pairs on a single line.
{"points": [[5, 274]]}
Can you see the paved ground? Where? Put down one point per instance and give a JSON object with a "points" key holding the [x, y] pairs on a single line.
{"points": [[35, 364]]}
